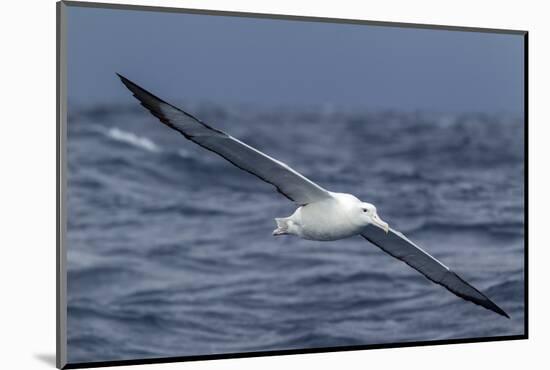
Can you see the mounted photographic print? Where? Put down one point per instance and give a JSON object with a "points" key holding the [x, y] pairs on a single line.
{"points": [[234, 184]]}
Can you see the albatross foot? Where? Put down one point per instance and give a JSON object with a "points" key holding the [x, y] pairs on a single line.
{"points": [[279, 231]]}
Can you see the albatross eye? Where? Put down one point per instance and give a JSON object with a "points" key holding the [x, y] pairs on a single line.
{"points": [[364, 210]]}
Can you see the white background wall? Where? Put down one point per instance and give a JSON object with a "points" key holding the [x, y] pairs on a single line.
{"points": [[27, 196]]}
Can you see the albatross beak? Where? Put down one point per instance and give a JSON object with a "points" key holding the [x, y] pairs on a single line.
{"points": [[381, 224]]}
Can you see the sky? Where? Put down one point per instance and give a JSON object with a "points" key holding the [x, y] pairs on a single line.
{"points": [[272, 62]]}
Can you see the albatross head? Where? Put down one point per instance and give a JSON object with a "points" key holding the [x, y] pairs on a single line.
{"points": [[368, 215]]}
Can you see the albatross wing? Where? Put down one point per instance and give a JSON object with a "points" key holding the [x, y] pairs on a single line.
{"points": [[287, 181], [397, 245]]}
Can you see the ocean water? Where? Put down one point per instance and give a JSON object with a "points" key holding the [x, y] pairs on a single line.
{"points": [[170, 250]]}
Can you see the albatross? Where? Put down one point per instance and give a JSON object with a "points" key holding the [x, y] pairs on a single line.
{"points": [[321, 215]]}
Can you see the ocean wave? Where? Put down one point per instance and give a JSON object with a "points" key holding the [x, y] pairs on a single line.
{"points": [[170, 251], [501, 290], [508, 228], [132, 139]]}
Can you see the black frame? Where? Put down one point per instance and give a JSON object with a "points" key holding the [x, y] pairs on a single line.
{"points": [[60, 189]]}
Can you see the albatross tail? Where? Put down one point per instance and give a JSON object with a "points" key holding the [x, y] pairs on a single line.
{"points": [[282, 226]]}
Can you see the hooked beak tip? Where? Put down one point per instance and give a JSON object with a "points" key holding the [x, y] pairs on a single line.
{"points": [[382, 224]]}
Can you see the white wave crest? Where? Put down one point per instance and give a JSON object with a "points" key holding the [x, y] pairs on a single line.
{"points": [[132, 139]]}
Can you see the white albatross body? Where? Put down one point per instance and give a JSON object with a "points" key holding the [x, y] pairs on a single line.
{"points": [[337, 217], [321, 215]]}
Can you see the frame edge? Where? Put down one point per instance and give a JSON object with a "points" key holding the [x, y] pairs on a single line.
{"points": [[61, 216]]}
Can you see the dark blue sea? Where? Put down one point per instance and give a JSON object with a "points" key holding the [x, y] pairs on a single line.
{"points": [[170, 251]]}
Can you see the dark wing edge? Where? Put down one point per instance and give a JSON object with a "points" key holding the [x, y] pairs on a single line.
{"points": [[153, 104], [397, 245]]}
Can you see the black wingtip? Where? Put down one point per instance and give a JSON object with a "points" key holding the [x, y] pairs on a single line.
{"points": [[145, 97], [125, 81], [484, 301], [500, 311]]}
